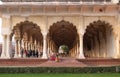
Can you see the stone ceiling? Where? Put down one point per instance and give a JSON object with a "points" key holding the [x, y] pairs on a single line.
{"points": [[63, 29]]}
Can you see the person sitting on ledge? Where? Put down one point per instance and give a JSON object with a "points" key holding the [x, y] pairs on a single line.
{"points": [[52, 57]]}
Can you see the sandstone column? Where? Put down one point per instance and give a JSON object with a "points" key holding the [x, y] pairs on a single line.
{"points": [[5, 32], [77, 49], [44, 56], [5, 54], [19, 48], [81, 55], [16, 49], [3, 47], [116, 49], [8, 47]]}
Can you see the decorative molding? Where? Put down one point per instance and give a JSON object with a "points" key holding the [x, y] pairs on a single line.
{"points": [[58, 9], [5, 31], [6, 16], [115, 1]]}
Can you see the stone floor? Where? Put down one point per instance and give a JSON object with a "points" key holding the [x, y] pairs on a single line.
{"points": [[63, 62]]}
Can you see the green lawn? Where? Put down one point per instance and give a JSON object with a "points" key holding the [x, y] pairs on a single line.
{"points": [[63, 75]]}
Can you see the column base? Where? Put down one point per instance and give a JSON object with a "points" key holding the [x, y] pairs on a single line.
{"points": [[4, 57], [19, 55], [44, 57], [16, 56], [116, 57], [81, 56]]}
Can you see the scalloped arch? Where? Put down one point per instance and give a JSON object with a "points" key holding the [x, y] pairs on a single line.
{"points": [[97, 23], [28, 26], [63, 32]]}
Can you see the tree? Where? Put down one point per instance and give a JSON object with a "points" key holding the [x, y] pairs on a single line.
{"points": [[65, 48]]}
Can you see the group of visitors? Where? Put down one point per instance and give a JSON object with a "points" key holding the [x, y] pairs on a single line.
{"points": [[30, 53]]}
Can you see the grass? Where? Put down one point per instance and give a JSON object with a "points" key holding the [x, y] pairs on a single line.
{"points": [[63, 75]]}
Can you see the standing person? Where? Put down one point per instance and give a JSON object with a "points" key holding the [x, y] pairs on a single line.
{"points": [[25, 53], [36, 53], [57, 57], [40, 54]]}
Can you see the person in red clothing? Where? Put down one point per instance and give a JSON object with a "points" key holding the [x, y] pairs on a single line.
{"points": [[26, 53], [52, 57]]}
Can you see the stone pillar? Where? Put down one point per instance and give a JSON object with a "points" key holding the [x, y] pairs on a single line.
{"points": [[44, 56], [16, 49], [35, 46], [19, 48], [11, 48], [30, 46], [81, 55], [100, 44], [5, 31], [92, 51], [8, 47], [116, 49], [5, 47], [95, 47], [25, 45], [104, 46], [77, 49], [40, 47], [48, 49]]}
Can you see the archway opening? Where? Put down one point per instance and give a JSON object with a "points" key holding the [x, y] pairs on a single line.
{"points": [[28, 39], [98, 40], [62, 33], [63, 50]]}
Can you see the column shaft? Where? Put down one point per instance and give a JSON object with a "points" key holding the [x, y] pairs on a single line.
{"points": [[8, 47], [44, 56], [5, 47], [81, 55], [19, 48], [16, 50], [116, 51]]}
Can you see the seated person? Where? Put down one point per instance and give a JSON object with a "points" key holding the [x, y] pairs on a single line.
{"points": [[52, 57]]}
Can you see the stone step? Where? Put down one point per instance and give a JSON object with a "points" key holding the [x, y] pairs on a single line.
{"points": [[100, 62], [64, 62], [21, 62]]}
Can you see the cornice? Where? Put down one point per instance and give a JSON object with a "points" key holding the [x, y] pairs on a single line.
{"points": [[59, 9]]}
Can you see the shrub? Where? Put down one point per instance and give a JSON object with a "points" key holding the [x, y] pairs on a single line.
{"points": [[58, 69]]}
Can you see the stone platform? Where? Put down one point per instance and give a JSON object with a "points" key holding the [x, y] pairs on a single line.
{"points": [[64, 62]]}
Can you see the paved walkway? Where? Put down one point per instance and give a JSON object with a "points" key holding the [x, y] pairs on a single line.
{"points": [[64, 62]]}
